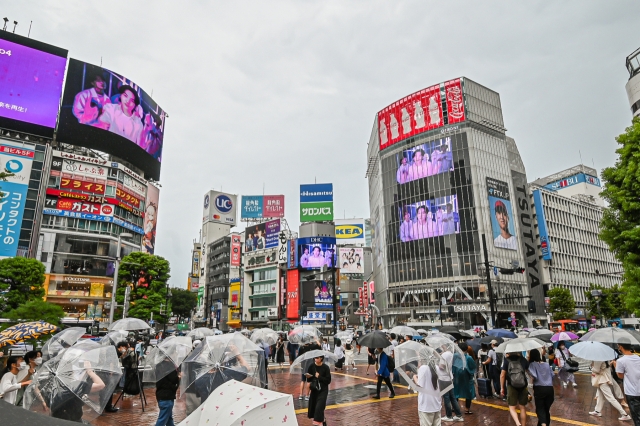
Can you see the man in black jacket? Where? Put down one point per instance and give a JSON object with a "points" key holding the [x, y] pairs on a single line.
{"points": [[165, 395]]}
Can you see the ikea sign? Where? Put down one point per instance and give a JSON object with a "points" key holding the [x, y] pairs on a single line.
{"points": [[349, 231]]}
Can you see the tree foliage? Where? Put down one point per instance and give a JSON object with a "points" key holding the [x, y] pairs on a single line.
{"points": [[147, 276], [611, 302], [561, 303], [21, 280], [620, 225], [3, 178], [36, 310], [182, 302]]}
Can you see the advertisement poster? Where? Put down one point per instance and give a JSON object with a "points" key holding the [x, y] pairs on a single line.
{"points": [[372, 291], [236, 249], [350, 231], [351, 260], [150, 219], [455, 101], [427, 159], [219, 207], [292, 253], [262, 236], [293, 301], [316, 252], [501, 215], [545, 243], [16, 160], [429, 218], [316, 202], [262, 206], [323, 295]]}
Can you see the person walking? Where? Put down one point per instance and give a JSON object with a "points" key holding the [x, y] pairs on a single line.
{"points": [[483, 356], [371, 360], [338, 351], [320, 375], [166, 395], [463, 378], [292, 350], [562, 355], [326, 346], [602, 380], [450, 402], [348, 354], [494, 365], [9, 384], [383, 374], [542, 377], [513, 381], [429, 402], [628, 369], [280, 351], [26, 374]]}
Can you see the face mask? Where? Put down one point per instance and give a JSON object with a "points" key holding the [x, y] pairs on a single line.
{"points": [[23, 366], [38, 361]]}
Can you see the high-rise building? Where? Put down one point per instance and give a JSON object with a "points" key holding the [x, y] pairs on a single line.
{"points": [[633, 85]]}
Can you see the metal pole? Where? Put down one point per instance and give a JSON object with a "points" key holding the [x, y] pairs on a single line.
{"points": [[486, 267], [440, 299], [335, 300], [112, 310]]}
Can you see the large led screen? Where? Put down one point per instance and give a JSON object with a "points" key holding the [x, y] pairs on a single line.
{"points": [[316, 252], [425, 159], [501, 215], [31, 77], [262, 236], [106, 111], [429, 218]]}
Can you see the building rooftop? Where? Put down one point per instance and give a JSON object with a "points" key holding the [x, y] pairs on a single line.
{"points": [[580, 168], [633, 63]]}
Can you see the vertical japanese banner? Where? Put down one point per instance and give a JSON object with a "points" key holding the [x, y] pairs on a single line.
{"points": [[13, 195], [360, 299], [235, 249], [455, 101], [150, 219], [293, 301], [365, 295], [372, 292]]}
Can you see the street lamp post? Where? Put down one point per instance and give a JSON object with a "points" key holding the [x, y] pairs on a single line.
{"points": [[597, 295], [166, 310], [115, 276]]}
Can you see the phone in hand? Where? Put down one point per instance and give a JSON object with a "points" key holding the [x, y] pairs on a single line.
{"points": [[307, 374]]}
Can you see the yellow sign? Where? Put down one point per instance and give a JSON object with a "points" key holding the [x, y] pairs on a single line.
{"points": [[347, 232]]}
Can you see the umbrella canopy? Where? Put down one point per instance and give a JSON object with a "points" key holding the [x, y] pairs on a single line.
{"points": [[501, 332], [13, 415], [166, 357], [238, 404], [520, 345], [129, 324], [264, 335], [422, 331], [488, 339], [24, 331], [304, 360], [411, 356], [343, 335], [612, 335], [200, 333], [76, 384], [542, 334], [114, 337], [375, 339], [475, 344], [403, 330], [220, 359], [564, 335], [66, 338], [304, 334], [442, 344], [593, 351]]}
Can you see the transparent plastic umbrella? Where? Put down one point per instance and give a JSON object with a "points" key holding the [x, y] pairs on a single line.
{"points": [[114, 337], [165, 358], [304, 361], [200, 333], [264, 335], [612, 335], [304, 334], [422, 331], [403, 330], [411, 356], [129, 324], [60, 341], [343, 335], [76, 384], [219, 359], [442, 344]]}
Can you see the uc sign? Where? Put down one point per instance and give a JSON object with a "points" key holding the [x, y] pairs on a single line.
{"points": [[349, 231], [223, 204]]}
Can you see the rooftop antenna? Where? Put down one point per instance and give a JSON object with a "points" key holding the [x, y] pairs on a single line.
{"points": [[100, 61], [29, 33], [5, 23], [15, 24]]}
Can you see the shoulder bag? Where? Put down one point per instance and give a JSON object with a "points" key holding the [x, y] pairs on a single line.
{"points": [[570, 365]]}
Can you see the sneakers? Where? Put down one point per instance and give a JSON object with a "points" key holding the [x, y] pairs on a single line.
{"points": [[624, 418], [495, 395], [447, 419], [595, 413], [458, 419], [564, 384], [575, 385], [306, 398], [300, 397], [375, 397]]}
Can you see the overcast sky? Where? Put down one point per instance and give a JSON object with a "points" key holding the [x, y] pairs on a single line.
{"points": [[279, 93]]}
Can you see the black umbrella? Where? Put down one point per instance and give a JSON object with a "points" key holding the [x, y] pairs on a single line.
{"points": [[17, 416], [375, 339], [475, 344], [464, 335], [488, 339]]}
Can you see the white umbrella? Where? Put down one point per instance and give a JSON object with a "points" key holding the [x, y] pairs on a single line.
{"points": [[60, 341], [239, 404], [520, 345], [304, 360], [403, 330], [200, 333], [129, 324], [343, 335], [593, 351], [422, 331], [410, 356], [612, 335], [264, 335]]}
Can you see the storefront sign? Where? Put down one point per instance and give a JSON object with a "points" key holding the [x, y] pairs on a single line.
{"points": [[81, 185]]}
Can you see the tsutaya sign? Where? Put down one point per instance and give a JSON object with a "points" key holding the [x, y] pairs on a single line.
{"points": [[484, 307]]}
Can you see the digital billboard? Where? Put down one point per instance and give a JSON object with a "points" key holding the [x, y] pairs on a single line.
{"points": [[219, 207], [31, 77], [236, 249], [323, 292], [16, 160], [351, 260], [262, 236], [261, 206], [501, 215], [429, 218], [293, 299], [316, 202], [350, 231], [150, 219], [106, 111], [316, 252], [425, 159]]}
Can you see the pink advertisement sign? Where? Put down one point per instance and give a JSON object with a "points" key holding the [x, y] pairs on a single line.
{"points": [[273, 206]]}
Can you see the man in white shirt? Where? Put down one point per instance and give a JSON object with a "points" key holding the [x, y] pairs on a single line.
{"points": [[316, 260], [88, 104], [505, 239], [450, 400], [628, 369], [406, 228], [494, 368], [429, 401]]}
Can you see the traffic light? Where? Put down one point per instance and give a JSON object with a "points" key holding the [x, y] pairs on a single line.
{"points": [[451, 309], [531, 306]]}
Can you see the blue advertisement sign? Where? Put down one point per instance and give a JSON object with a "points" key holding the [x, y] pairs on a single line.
{"points": [[573, 180], [316, 192], [545, 244], [251, 207], [96, 217]]}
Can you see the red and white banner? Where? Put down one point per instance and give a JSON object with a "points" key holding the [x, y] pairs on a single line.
{"points": [[84, 207], [293, 299], [365, 295], [361, 299], [82, 185], [76, 196], [455, 101], [236, 246], [414, 114], [372, 291], [128, 197]]}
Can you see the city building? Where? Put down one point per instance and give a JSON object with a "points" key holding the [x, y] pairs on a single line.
{"points": [[633, 85], [445, 185], [568, 213]]}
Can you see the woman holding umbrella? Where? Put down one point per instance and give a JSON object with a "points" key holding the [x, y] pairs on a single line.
{"points": [[463, 383], [562, 355], [320, 375]]}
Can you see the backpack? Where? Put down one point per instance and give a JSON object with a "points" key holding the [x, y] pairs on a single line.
{"points": [[516, 376], [391, 364]]}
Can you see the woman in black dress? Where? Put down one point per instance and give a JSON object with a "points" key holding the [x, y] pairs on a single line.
{"points": [[371, 359], [320, 373], [280, 351]]}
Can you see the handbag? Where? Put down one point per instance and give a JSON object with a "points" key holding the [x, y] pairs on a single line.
{"points": [[573, 365]]}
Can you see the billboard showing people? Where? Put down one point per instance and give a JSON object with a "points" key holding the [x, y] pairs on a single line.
{"points": [[150, 219], [316, 252], [429, 218], [351, 260], [262, 236], [323, 294], [501, 215], [426, 159], [105, 110]]}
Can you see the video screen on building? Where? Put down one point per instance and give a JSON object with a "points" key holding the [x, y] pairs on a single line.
{"points": [[501, 215], [31, 78], [262, 236], [425, 159], [316, 252], [429, 218], [351, 260], [323, 292], [106, 111]]}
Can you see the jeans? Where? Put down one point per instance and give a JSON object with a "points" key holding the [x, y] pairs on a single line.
{"points": [[543, 396], [634, 408], [450, 400], [165, 416], [494, 372], [387, 381]]}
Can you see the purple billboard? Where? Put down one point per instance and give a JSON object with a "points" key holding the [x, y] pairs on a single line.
{"points": [[30, 84]]}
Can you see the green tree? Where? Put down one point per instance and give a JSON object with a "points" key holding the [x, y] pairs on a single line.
{"points": [[21, 280], [35, 310], [3, 178], [620, 225], [147, 276], [183, 301], [611, 301], [561, 303]]}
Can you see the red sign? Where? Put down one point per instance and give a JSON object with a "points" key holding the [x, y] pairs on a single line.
{"points": [[127, 207], [78, 206], [81, 185], [365, 294], [455, 101], [235, 249], [13, 150], [372, 291], [76, 196], [273, 206], [414, 114], [128, 198], [361, 299], [293, 299]]}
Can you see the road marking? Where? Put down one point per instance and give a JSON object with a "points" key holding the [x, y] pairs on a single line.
{"points": [[363, 402], [557, 419]]}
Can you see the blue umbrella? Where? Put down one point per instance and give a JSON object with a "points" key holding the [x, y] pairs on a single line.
{"points": [[501, 332]]}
